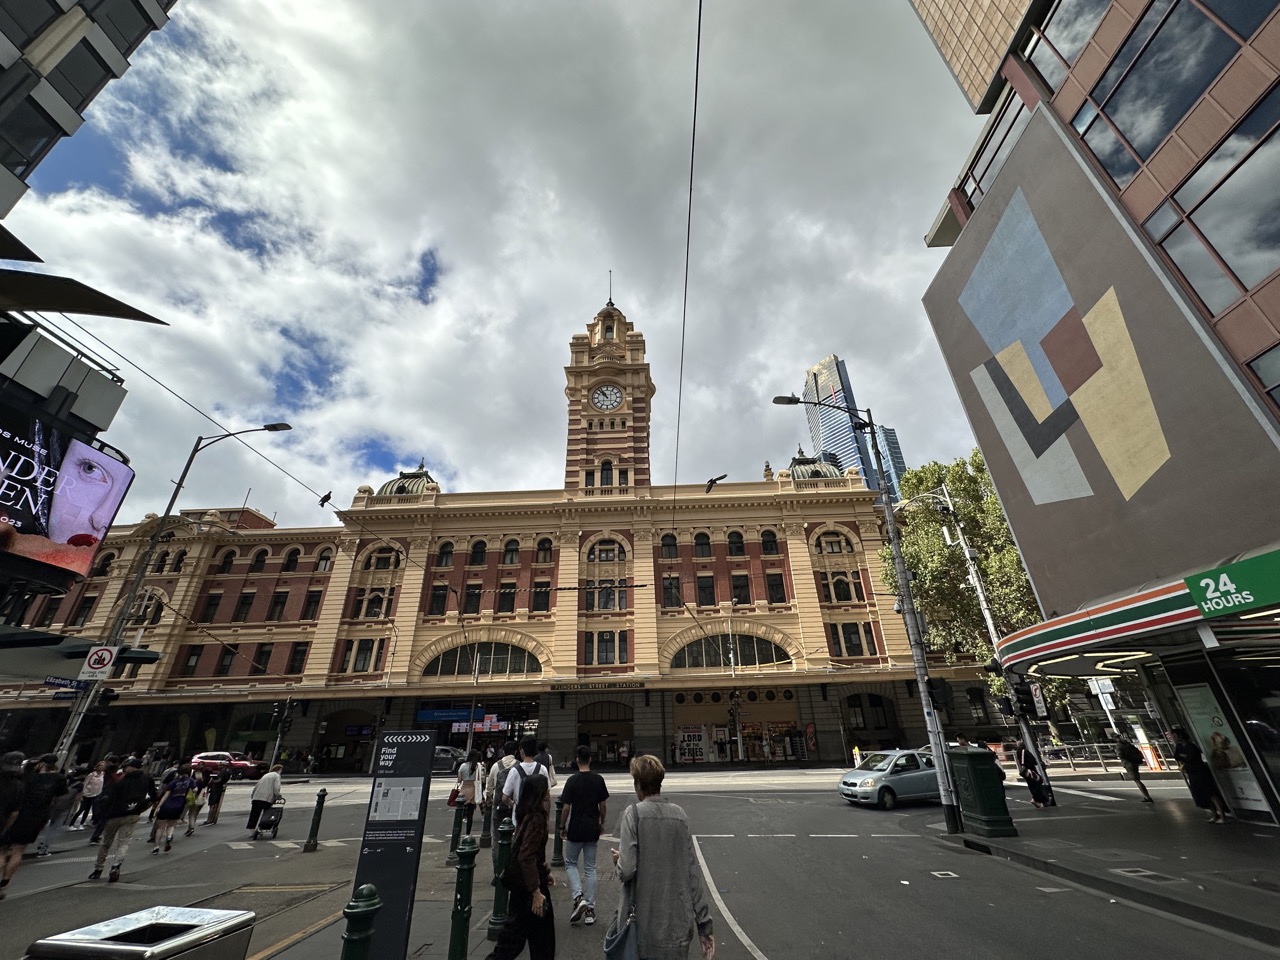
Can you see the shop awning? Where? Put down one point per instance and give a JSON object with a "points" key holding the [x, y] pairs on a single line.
{"points": [[23, 290]]}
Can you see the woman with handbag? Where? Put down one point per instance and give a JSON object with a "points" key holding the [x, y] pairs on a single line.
{"points": [[468, 774], [528, 880], [171, 807], [195, 800], [664, 902]]}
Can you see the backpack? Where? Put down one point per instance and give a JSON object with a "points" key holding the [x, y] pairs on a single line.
{"points": [[1129, 753]]}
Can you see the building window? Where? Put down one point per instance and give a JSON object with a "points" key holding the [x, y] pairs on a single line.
{"points": [[725, 651], [477, 554], [541, 596], [444, 555], [869, 638], [997, 143], [671, 592], [347, 649], [210, 608], [606, 551], [740, 587], [606, 473], [311, 606], [978, 705], [28, 19], [670, 549], [736, 547], [243, 606], [1267, 369], [124, 23], [471, 599], [511, 552], [261, 659], [297, 657], [769, 543], [493, 659], [278, 601], [857, 719], [161, 563], [834, 543], [852, 639], [364, 657], [439, 602], [79, 76], [179, 560], [604, 647], [192, 663], [544, 551], [590, 479], [83, 612], [291, 561], [383, 558], [50, 611], [27, 134], [878, 715], [588, 648], [225, 659], [775, 587], [702, 545], [103, 567], [369, 604], [1053, 48], [228, 559], [324, 562], [259, 562], [623, 476], [507, 596], [706, 591], [622, 646]]}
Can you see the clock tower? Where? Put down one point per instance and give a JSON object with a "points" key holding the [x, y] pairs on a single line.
{"points": [[609, 393]]}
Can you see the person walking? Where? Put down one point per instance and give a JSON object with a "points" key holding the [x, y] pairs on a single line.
{"points": [[528, 880], [1029, 770], [171, 807], [1204, 789], [217, 787], [41, 787], [662, 880], [122, 803], [12, 789], [266, 793], [520, 772], [493, 787], [581, 823], [468, 775], [1131, 759], [89, 793], [195, 803], [110, 776], [59, 815], [544, 758]]}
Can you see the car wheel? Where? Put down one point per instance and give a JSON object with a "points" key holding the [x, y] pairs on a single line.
{"points": [[887, 799]]}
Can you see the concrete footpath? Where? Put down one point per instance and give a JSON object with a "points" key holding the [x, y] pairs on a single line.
{"points": [[1162, 855]]}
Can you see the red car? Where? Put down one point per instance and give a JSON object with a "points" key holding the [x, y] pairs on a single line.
{"points": [[242, 768]]}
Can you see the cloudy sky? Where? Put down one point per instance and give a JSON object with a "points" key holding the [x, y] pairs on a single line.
{"points": [[386, 232]]}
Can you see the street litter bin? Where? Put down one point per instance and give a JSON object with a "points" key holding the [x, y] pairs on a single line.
{"points": [[158, 933], [979, 784]]}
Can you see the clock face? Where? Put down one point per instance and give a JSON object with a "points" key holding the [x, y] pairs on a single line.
{"points": [[607, 397]]}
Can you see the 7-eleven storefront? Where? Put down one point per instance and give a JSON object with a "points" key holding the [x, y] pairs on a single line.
{"points": [[1207, 649]]}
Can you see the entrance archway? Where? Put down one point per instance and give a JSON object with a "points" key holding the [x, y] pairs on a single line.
{"points": [[605, 726], [344, 741]]}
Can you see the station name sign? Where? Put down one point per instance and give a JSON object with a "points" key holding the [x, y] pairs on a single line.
{"points": [[601, 685], [1237, 587]]}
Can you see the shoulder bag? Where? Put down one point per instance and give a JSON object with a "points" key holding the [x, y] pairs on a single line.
{"points": [[621, 940]]}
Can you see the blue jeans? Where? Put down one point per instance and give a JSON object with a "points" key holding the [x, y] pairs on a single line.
{"points": [[572, 849]]}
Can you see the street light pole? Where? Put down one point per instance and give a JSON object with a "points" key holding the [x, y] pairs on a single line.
{"points": [[475, 672], [937, 742], [89, 696]]}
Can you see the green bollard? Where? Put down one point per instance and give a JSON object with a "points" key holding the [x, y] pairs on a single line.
{"points": [[452, 858], [360, 913], [557, 847], [498, 919], [467, 851], [486, 828], [312, 841]]}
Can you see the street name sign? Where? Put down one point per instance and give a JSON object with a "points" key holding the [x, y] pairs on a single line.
{"points": [[391, 843], [1237, 587], [66, 695], [98, 663], [65, 682]]}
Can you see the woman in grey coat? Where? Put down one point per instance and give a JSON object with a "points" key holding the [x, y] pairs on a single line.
{"points": [[667, 893]]}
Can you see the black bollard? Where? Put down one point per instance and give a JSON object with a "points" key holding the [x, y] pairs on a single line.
{"points": [[498, 919], [557, 847], [486, 828], [467, 851], [360, 914], [312, 841], [452, 858]]}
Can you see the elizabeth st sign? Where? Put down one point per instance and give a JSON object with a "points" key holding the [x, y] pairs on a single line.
{"points": [[1237, 587]]}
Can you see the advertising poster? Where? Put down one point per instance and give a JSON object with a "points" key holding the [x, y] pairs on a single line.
{"points": [[1210, 730], [693, 743], [58, 496]]}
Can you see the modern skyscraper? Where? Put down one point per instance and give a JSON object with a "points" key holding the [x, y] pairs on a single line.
{"points": [[830, 431], [895, 465]]}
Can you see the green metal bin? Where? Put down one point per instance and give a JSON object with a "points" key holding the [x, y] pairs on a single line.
{"points": [[979, 786]]}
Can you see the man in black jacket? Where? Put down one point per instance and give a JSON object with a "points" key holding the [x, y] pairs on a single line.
{"points": [[123, 802]]}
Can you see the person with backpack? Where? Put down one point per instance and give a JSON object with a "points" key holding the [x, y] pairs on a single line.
{"points": [[530, 919], [122, 803], [519, 773], [494, 785], [42, 786], [1131, 759], [172, 806]]}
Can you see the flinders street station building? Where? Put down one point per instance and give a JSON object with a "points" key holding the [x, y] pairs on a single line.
{"points": [[700, 626]]}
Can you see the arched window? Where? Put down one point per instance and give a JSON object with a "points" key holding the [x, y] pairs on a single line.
{"points": [[491, 659], [613, 424], [769, 543], [401, 489], [606, 551], [544, 550], [157, 610], [384, 558], [606, 473], [373, 608], [444, 555], [324, 562], [511, 551], [670, 550], [477, 554], [103, 566], [291, 560], [725, 652], [228, 559], [736, 546], [162, 562], [842, 591], [702, 545], [832, 542], [179, 560], [259, 562], [608, 331]]}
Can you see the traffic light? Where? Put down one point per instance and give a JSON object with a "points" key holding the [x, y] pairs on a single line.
{"points": [[942, 694], [1005, 706], [286, 724], [108, 696], [277, 713], [993, 666], [1024, 702]]}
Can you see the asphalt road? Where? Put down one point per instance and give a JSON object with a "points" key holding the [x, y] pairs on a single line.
{"points": [[795, 873]]}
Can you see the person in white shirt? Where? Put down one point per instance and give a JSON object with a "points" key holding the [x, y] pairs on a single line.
{"points": [[528, 765], [265, 793]]}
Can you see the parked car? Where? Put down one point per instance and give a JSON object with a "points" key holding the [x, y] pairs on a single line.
{"points": [[241, 767], [244, 768], [888, 776], [447, 759]]}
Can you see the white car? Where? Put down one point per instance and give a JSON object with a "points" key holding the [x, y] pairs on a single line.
{"points": [[888, 776]]}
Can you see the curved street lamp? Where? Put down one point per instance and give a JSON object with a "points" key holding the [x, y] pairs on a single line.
{"points": [[938, 743]]}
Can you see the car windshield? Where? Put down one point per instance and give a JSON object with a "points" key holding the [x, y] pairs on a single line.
{"points": [[876, 761]]}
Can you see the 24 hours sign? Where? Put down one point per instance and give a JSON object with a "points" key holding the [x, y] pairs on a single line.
{"points": [[1237, 587]]}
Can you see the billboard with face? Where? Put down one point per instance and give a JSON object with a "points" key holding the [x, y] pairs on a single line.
{"points": [[58, 498], [1125, 447]]}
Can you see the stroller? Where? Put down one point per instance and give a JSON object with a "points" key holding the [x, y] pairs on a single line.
{"points": [[270, 820]]}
